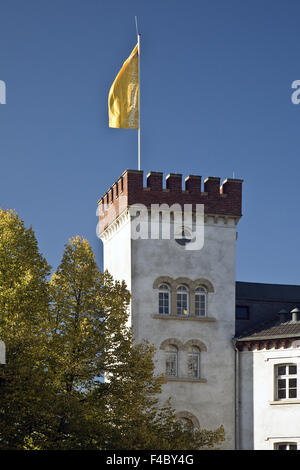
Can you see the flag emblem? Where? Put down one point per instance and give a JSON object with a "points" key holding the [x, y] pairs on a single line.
{"points": [[123, 97]]}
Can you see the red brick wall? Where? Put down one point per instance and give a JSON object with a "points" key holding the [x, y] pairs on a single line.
{"points": [[128, 190]]}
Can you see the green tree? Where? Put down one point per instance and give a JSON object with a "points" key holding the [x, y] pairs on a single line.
{"points": [[62, 338], [91, 338], [24, 315]]}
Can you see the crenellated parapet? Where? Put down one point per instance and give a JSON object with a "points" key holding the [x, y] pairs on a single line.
{"points": [[224, 200]]}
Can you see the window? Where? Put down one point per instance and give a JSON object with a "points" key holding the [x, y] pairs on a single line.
{"points": [[285, 446], [187, 424], [242, 313], [200, 302], [183, 297], [188, 420], [171, 361], [183, 237], [286, 381], [164, 299], [182, 300], [193, 364]]}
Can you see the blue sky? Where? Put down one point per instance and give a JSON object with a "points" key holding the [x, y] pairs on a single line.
{"points": [[216, 81]]}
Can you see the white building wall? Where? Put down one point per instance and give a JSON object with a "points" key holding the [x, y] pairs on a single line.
{"points": [[2, 353], [246, 432], [140, 263], [266, 421], [117, 252]]}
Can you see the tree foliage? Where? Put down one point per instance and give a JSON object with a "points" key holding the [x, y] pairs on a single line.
{"points": [[24, 315], [63, 338]]}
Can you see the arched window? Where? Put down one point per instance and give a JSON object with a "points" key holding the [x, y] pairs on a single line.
{"points": [[182, 300], [171, 355], [164, 299], [188, 419], [187, 423], [193, 363], [200, 302]]}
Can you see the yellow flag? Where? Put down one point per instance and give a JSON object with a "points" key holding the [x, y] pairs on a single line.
{"points": [[123, 97]]}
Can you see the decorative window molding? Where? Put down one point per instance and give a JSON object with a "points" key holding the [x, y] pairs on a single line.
{"points": [[197, 298], [184, 318], [186, 415], [183, 361], [285, 402], [182, 281], [163, 280], [203, 283], [186, 379], [171, 342], [194, 343]]}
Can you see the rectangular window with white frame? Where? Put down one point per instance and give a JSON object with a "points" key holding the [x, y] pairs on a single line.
{"points": [[286, 382], [164, 300], [285, 446]]}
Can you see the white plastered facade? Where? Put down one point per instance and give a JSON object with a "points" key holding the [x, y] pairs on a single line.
{"points": [[211, 398], [266, 421]]}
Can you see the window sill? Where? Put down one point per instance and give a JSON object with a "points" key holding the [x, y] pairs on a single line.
{"points": [[184, 318], [291, 401], [185, 379]]}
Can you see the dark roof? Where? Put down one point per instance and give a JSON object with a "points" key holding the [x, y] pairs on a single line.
{"points": [[272, 330], [276, 292]]}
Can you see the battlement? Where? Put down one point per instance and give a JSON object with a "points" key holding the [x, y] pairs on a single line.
{"points": [[128, 190]]}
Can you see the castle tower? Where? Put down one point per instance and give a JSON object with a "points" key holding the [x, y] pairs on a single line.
{"points": [[182, 286]]}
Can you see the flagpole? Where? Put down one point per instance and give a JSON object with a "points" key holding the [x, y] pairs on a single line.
{"points": [[139, 100]]}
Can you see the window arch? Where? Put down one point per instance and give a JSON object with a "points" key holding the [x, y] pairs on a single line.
{"points": [[193, 362], [200, 302], [171, 360], [173, 342], [164, 299], [195, 342], [186, 418], [187, 423], [182, 300], [183, 297]]}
